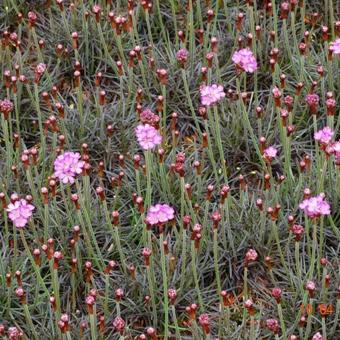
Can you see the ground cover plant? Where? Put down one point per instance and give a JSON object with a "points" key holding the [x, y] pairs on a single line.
{"points": [[170, 169]]}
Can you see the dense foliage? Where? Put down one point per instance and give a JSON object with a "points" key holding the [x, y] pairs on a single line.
{"points": [[169, 169]]}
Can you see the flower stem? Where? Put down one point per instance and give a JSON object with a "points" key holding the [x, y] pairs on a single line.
{"points": [[194, 273], [30, 322], [165, 288], [35, 267]]}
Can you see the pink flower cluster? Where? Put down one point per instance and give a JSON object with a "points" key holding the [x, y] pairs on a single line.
{"points": [[182, 55], [212, 94], [6, 106], [270, 153], [149, 117], [245, 60], [312, 99], [315, 206], [251, 255], [318, 336], [67, 166], [20, 212], [273, 325], [40, 68], [159, 214], [148, 137], [119, 324], [14, 333], [334, 148], [324, 136], [335, 45]]}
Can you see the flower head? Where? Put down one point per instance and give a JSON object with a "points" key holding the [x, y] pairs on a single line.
{"points": [[298, 231], [20, 212], [90, 300], [6, 106], [119, 324], [310, 285], [336, 151], [182, 55], [14, 333], [204, 322], [212, 94], [315, 206], [336, 46], [270, 153], [245, 60], [149, 117], [159, 214], [324, 136], [318, 336], [148, 137], [273, 325], [251, 255], [312, 99], [203, 319], [38, 72], [67, 166], [277, 293], [40, 68], [248, 303], [172, 294]]}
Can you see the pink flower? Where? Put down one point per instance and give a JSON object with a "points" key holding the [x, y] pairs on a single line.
{"points": [[248, 303], [273, 325], [67, 166], [203, 319], [182, 55], [96, 9], [251, 255], [148, 137], [211, 95], [270, 153], [20, 212], [119, 324], [315, 206], [276, 92], [318, 336], [159, 214], [172, 294], [336, 46], [148, 117], [324, 136], [90, 300], [277, 293], [298, 231], [245, 60], [14, 333], [40, 69], [6, 106], [335, 149], [312, 98], [310, 285]]}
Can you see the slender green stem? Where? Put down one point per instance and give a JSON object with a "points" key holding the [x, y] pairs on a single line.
{"points": [[93, 326], [35, 267], [194, 273], [282, 320], [30, 322], [165, 287], [217, 271]]}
